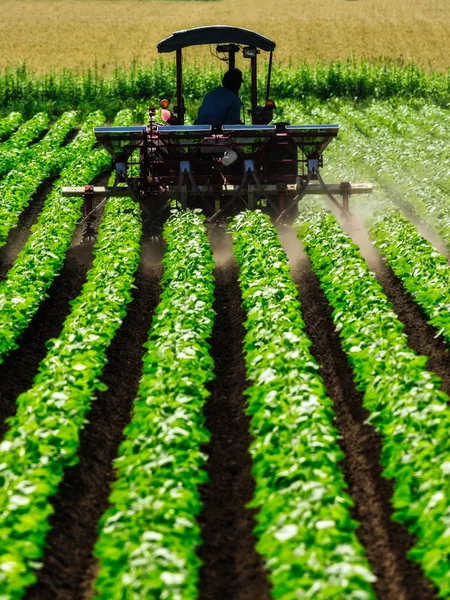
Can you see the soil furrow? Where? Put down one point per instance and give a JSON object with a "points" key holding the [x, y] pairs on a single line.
{"points": [[232, 569], [386, 542], [70, 136], [421, 336], [21, 365], [69, 566], [18, 235]]}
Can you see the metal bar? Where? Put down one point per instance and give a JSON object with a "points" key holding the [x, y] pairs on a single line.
{"points": [[297, 198], [261, 190], [345, 203], [236, 193], [312, 189], [102, 203], [336, 188], [254, 90], [88, 199], [98, 191], [329, 194], [282, 200], [269, 75], [231, 59], [180, 111]]}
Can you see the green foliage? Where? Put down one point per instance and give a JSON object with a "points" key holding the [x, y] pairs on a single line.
{"points": [[149, 535], [9, 124], [406, 405], [14, 149], [36, 266], [22, 89], [35, 165], [43, 437], [305, 530], [405, 155], [423, 271]]}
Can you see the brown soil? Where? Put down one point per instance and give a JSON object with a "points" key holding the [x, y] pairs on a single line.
{"points": [[386, 542], [70, 136], [232, 569], [69, 567], [19, 235], [421, 336]]}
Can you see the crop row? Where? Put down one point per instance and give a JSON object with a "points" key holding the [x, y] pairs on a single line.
{"points": [[9, 124], [18, 187], [305, 530], [17, 144], [42, 257], [407, 407], [43, 436], [408, 162], [413, 259], [424, 272], [149, 535]]}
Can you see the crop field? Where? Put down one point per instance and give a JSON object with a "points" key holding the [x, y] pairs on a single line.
{"points": [[54, 34], [248, 414]]}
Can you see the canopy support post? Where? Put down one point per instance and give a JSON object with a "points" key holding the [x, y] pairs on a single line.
{"points": [[180, 107], [254, 90], [269, 75]]}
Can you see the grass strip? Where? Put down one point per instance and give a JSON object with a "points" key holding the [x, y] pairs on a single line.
{"points": [[27, 282], [43, 437], [9, 124], [18, 187], [406, 404], [149, 535], [16, 145], [424, 272], [304, 527]]}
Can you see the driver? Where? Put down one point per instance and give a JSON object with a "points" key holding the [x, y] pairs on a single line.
{"points": [[222, 105]]}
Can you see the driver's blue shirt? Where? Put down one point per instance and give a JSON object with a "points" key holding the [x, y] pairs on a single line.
{"points": [[220, 106]]}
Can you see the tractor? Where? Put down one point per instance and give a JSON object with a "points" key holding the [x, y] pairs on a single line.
{"points": [[222, 170]]}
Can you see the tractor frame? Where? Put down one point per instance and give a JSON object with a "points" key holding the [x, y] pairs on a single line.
{"points": [[167, 163]]}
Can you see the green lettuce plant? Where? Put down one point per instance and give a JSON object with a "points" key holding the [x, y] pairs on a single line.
{"points": [[27, 282], [305, 531], [406, 404], [43, 436], [43, 161], [9, 124], [424, 272], [13, 149], [149, 535]]}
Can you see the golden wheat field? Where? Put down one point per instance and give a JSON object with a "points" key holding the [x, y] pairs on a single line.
{"points": [[51, 34]]}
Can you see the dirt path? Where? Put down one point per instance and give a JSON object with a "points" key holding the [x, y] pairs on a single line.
{"points": [[386, 542], [421, 336], [69, 567], [232, 569]]}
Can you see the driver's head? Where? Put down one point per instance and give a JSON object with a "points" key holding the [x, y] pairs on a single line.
{"points": [[232, 80]]}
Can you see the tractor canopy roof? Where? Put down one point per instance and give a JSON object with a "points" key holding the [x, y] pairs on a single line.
{"points": [[216, 34]]}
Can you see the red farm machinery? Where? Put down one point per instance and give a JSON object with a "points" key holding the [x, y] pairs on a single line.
{"points": [[224, 169]]}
